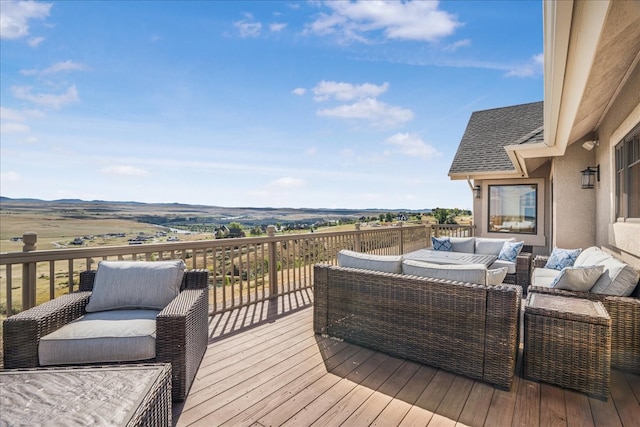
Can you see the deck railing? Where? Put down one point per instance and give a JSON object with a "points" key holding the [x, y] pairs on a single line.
{"points": [[243, 271]]}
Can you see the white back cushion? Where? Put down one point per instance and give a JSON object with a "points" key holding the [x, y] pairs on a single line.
{"points": [[383, 263], [135, 284], [469, 273], [463, 244], [487, 246]]}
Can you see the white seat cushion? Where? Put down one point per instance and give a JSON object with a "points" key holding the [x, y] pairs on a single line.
{"points": [[543, 276], [510, 266], [469, 273], [579, 279], [135, 284], [383, 263], [106, 336], [496, 276]]}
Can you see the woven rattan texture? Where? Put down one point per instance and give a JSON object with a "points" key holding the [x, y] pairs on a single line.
{"points": [[464, 328], [181, 328], [625, 321], [567, 349]]}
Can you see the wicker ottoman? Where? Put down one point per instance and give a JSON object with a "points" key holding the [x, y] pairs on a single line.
{"points": [[567, 342], [125, 395]]}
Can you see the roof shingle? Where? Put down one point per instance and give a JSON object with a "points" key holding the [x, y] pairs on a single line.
{"points": [[489, 131]]}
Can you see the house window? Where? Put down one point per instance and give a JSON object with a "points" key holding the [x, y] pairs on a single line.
{"points": [[513, 208], [628, 175]]}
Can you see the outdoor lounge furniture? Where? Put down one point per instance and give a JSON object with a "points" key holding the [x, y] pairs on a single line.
{"points": [[132, 395], [68, 331], [465, 328], [567, 342], [624, 311]]}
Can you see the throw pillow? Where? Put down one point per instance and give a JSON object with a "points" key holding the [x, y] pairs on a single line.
{"points": [[579, 279], [561, 258], [510, 251], [441, 244], [496, 276], [122, 285]]}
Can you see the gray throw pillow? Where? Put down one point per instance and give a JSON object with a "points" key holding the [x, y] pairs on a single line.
{"points": [[579, 279], [135, 284]]}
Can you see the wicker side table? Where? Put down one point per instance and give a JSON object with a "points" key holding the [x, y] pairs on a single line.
{"points": [[568, 343]]}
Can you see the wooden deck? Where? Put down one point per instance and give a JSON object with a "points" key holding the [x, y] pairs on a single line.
{"points": [[266, 367]]}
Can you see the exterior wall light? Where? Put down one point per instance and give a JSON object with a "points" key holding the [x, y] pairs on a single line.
{"points": [[589, 176], [477, 192]]}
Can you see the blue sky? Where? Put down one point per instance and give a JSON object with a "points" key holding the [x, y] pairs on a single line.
{"points": [[255, 103]]}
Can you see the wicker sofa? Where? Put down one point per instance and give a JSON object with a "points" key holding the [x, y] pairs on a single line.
{"points": [[465, 328], [625, 318], [181, 328]]}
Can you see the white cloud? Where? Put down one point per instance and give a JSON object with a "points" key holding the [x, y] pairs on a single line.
{"points": [[125, 170], [55, 68], [248, 29], [311, 151], [407, 20], [412, 145], [11, 115], [299, 91], [35, 41], [457, 45], [13, 127], [288, 182], [9, 177], [15, 17], [347, 91], [45, 99], [372, 110], [533, 67], [276, 27]]}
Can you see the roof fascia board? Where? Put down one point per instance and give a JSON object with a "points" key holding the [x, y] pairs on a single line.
{"points": [[485, 175], [556, 29], [586, 28]]}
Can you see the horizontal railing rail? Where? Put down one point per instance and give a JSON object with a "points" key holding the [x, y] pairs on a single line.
{"points": [[242, 271]]}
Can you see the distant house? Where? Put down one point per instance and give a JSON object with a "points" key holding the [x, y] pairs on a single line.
{"points": [[566, 172]]}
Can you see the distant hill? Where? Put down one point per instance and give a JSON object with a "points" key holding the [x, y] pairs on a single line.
{"points": [[147, 211]]}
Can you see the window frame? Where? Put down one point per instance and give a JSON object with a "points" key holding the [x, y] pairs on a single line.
{"points": [[626, 156], [536, 221]]}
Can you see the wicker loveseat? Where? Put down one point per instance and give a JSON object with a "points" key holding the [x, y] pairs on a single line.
{"points": [[625, 319], [465, 328], [181, 328]]}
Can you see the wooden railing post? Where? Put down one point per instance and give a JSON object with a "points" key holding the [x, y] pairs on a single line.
{"points": [[358, 247], [29, 240], [401, 244], [273, 263]]}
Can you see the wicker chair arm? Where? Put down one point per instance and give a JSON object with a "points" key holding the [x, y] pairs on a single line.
{"points": [[539, 261], [195, 279], [22, 332], [523, 270], [182, 337]]}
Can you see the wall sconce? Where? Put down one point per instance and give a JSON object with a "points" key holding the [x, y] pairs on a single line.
{"points": [[477, 192], [588, 145], [589, 176]]}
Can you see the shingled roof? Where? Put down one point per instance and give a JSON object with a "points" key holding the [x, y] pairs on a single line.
{"points": [[488, 131]]}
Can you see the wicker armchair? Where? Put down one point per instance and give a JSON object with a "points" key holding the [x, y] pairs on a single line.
{"points": [[181, 328], [625, 321]]}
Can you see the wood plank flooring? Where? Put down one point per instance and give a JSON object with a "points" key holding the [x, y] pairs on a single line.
{"points": [[265, 367]]}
